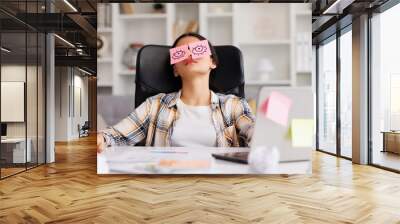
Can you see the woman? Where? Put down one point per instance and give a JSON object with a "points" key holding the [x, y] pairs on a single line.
{"points": [[193, 116]]}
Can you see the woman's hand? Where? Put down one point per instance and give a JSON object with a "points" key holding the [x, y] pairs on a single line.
{"points": [[101, 144]]}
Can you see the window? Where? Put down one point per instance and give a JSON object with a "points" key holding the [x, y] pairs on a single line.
{"points": [[22, 78], [327, 97], [346, 94], [385, 89], [394, 101]]}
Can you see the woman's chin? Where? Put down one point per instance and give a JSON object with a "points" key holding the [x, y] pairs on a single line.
{"points": [[193, 69]]}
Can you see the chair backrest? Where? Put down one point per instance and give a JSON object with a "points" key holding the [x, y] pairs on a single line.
{"points": [[86, 125], [154, 74]]}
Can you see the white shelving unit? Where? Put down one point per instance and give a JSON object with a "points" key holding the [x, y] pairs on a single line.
{"points": [[272, 31]]}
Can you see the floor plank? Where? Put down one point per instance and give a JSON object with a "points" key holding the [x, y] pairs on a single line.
{"points": [[70, 191]]}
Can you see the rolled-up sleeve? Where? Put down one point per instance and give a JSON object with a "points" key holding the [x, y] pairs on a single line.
{"points": [[244, 121], [132, 129]]}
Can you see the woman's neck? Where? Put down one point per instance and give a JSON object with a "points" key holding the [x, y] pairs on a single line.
{"points": [[196, 92]]}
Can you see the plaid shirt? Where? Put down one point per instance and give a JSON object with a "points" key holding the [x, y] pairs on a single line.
{"points": [[153, 121]]}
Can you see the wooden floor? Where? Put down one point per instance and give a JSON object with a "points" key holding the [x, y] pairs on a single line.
{"points": [[70, 191], [10, 171], [387, 159]]}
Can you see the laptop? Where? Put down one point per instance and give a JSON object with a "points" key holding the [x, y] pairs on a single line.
{"points": [[270, 134]]}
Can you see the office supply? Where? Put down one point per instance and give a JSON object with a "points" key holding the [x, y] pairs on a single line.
{"points": [[166, 151], [237, 157], [199, 49], [276, 107], [391, 141], [302, 131], [178, 54], [269, 133], [183, 164], [243, 157], [12, 101], [196, 49], [261, 159], [288, 134]]}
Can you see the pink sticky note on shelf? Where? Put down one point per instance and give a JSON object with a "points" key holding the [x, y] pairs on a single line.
{"points": [[178, 54], [276, 108], [199, 49]]}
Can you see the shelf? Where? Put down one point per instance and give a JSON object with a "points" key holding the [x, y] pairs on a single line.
{"points": [[304, 71], [265, 42], [104, 30], [104, 60], [268, 83], [127, 72], [104, 85], [143, 16], [220, 15]]}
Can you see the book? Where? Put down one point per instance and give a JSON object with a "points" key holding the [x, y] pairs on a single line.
{"points": [[126, 8]]}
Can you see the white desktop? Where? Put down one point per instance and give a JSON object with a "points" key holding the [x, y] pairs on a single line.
{"points": [[142, 160], [16, 145]]}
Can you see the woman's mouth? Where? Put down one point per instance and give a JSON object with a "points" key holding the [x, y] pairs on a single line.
{"points": [[190, 61]]}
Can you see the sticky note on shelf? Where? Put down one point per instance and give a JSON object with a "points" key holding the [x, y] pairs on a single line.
{"points": [[302, 132], [276, 108]]}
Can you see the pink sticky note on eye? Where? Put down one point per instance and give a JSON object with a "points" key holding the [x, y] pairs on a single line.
{"points": [[199, 49], [276, 108], [178, 54]]}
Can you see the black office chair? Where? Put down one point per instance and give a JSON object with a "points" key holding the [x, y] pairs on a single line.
{"points": [[154, 74], [84, 129]]}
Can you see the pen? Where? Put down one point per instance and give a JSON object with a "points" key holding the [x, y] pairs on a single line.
{"points": [[169, 152]]}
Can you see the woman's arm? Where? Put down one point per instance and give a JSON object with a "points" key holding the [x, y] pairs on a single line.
{"points": [[244, 121], [130, 130]]}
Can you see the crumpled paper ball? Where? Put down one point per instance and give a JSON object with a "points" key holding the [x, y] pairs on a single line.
{"points": [[263, 158]]}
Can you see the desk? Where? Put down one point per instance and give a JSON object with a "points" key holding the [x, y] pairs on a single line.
{"points": [[13, 150], [123, 160], [391, 141]]}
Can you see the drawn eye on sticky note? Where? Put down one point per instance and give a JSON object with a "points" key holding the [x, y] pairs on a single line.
{"points": [[199, 49], [178, 54]]}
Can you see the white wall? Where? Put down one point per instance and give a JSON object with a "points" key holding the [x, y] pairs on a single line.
{"points": [[80, 83], [61, 103], [69, 82]]}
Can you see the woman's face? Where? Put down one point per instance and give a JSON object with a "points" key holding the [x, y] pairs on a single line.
{"points": [[191, 67]]}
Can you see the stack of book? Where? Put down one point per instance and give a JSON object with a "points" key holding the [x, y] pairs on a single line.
{"points": [[104, 15]]}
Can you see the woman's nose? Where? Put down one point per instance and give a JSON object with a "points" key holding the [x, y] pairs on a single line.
{"points": [[189, 59]]}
